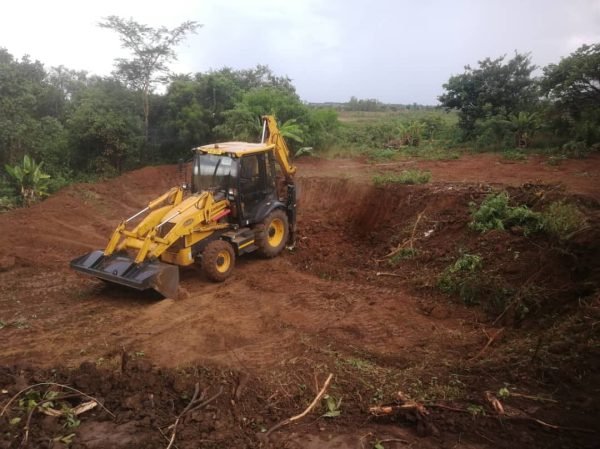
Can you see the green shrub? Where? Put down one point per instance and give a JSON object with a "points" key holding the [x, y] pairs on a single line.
{"points": [[561, 219], [404, 177], [496, 213], [576, 149], [462, 278]]}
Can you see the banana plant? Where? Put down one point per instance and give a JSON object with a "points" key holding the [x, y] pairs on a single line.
{"points": [[30, 179], [291, 130], [524, 125]]}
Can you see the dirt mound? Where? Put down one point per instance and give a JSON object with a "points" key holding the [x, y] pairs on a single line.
{"points": [[78, 218]]}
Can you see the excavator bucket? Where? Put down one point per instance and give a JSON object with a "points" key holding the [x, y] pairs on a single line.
{"points": [[122, 270]]}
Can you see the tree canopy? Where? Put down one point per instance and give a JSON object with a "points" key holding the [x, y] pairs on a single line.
{"points": [[152, 49], [494, 88]]}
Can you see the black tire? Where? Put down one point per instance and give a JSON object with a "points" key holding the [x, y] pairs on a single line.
{"points": [[218, 260], [272, 234]]}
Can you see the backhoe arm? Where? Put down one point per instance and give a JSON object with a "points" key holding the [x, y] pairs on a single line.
{"points": [[281, 150]]}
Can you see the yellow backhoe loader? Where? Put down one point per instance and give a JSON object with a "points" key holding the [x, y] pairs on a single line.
{"points": [[242, 199]]}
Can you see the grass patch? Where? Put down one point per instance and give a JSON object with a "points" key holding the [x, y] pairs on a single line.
{"points": [[514, 155], [430, 153], [382, 154], [404, 177], [561, 219], [403, 254]]}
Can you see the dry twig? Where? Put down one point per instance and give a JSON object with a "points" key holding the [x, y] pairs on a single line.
{"points": [[410, 241], [383, 273], [306, 411], [489, 342], [195, 404]]}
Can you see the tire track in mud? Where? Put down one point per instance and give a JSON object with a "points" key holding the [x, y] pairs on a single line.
{"points": [[258, 317]]}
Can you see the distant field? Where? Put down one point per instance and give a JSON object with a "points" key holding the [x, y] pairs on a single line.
{"points": [[358, 117]]}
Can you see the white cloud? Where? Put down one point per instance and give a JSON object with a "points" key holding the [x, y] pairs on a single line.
{"points": [[397, 51]]}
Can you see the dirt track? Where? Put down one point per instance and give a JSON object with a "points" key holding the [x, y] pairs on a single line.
{"points": [[278, 320]]}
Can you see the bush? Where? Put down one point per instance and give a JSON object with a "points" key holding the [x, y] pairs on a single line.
{"points": [[404, 177], [496, 213], [462, 277], [561, 219]]}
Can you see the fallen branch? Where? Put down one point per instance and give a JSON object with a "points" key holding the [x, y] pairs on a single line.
{"points": [[405, 242], [306, 411], [5, 408], [383, 273], [494, 402], [489, 342], [550, 426], [81, 408], [174, 426], [382, 410], [195, 404], [535, 398], [516, 418]]}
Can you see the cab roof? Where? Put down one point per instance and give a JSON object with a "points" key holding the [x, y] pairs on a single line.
{"points": [[235, 149]]}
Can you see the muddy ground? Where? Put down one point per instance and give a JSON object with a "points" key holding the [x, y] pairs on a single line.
{"points": [[263, 342]]}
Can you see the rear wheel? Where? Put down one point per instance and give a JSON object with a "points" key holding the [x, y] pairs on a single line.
{"points": [[273, 234], [218, 260]]}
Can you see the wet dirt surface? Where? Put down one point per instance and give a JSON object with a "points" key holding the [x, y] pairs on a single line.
{"points": [[286, 322]]}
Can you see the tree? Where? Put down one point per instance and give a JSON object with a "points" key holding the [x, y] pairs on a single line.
{"points": [[29, 112], [152, 49], [494, 88], [243, 122], [575, 80], [573, 87], [104, 129]]}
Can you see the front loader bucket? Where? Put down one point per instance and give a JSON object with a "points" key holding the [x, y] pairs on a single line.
{"points": [[121, 269]]}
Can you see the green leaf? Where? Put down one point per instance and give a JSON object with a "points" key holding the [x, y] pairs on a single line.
{"points": [[14, 421], [503, 392]]}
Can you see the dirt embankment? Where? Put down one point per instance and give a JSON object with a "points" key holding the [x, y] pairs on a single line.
{"points": [[335, 304]]}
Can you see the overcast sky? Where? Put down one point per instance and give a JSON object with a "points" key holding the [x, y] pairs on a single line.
{"points": [[396, 51]]}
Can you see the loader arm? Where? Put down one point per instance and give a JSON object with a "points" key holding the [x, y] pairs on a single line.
{"points": [[167, 200], [131, 258], [193, 219]]}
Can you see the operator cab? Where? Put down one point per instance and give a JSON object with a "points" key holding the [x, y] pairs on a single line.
{"points": [[244, 173]]}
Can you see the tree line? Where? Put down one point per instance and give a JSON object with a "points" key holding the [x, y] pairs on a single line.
{"points": [[81, 125]]}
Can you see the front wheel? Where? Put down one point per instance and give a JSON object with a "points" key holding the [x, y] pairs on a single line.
{"points": [[218, 260], [273, 234]]}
